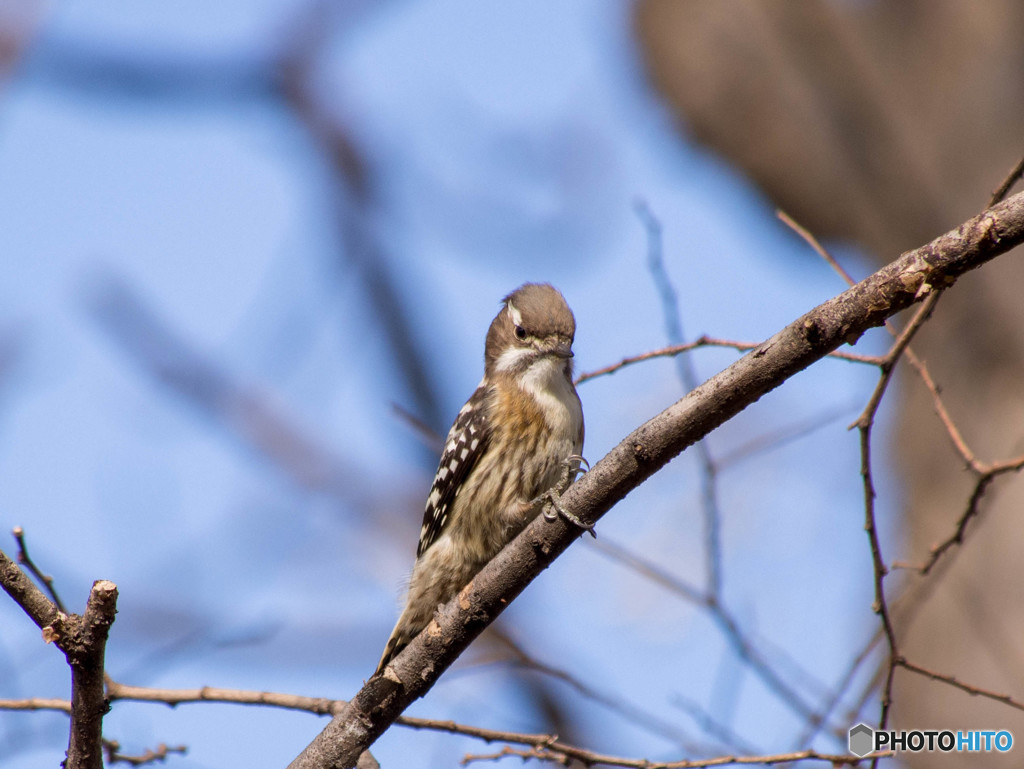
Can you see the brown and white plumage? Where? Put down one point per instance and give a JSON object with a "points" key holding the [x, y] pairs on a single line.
{"points": [[506, 448]]}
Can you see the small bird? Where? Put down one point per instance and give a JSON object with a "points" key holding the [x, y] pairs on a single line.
{"points": [[516, 441]]}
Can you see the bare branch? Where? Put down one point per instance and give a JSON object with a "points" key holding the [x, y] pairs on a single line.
{"points": [[114, 755], [971, 511], [30, 598], [37, 703], [28, 563], [1011, 179], [318, 705], [976, 691], [83, 641], [706, 341], [814, 243], [85, 651], [943, 413], [688, 377], [562, 754], [867, 417], [842, 319], [865, 423]]}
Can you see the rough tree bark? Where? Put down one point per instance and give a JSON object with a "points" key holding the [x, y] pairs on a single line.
{"points": [[83, 641]]}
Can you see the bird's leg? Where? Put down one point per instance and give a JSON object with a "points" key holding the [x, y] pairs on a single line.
{"points": [[551, 499]]}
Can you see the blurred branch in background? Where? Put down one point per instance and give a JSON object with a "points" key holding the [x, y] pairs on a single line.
{"points": [[285, 81], [247, 414], [742, 646], [355, 204], [687, 375], [19, 23], [650, 722]]}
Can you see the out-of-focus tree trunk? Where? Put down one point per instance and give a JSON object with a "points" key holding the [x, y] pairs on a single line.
{"points": [[885, 124]]}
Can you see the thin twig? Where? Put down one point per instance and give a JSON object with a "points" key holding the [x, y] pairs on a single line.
{"points": [[865, 423], [563, 754], [815, 244], [971, 511], [710, 509], [890, 359], [37, 703], [879, 570], [1011, 179], [906, 606], [45, 579], [943, 413], [114, 755], [318, 705], [322, 706], [707, 341], [976, 691]]}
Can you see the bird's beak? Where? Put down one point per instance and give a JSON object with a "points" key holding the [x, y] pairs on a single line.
{"points": [[562, 350]]}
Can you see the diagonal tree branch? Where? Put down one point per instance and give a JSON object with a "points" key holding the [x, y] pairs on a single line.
{"points": [[23, 590], [647, 449]]}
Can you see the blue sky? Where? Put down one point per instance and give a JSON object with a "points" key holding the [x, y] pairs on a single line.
{"points": [[505, 143]]}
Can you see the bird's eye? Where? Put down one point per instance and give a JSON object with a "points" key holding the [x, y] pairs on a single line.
{"points": [[520, 332]]}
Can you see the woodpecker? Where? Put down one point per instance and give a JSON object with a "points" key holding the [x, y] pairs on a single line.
{"points": [[518, 437]]}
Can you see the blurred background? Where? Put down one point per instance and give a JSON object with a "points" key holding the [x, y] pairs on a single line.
{"points": [[248, 256]]}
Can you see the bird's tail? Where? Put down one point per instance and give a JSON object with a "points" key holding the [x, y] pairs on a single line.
{"points": [[398, 640]]}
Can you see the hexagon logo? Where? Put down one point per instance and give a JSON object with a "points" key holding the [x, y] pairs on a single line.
{"points": [[861, 740]]}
